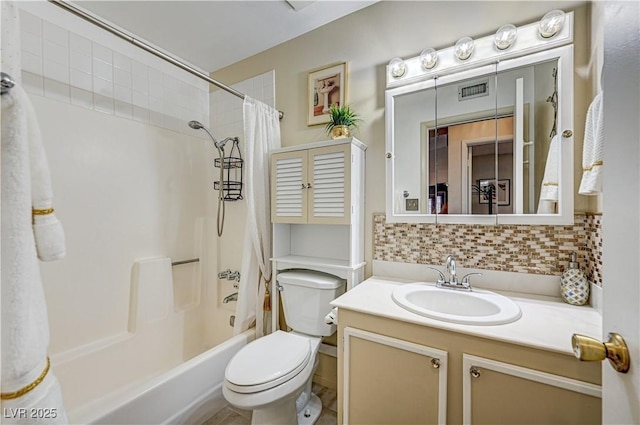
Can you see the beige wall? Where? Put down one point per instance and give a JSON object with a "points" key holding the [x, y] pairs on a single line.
{"points": [[367, 40]]}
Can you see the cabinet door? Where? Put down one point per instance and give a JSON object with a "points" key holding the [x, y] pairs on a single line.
{"points": [[392, 381], [289, 187], [330, 191], [501, 393]]}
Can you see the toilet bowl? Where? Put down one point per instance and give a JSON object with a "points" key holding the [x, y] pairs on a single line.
{"points": [[272, 376]]}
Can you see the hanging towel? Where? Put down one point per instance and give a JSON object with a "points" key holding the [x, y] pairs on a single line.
{"points": [[549, 189], [31, 393], [592, 151]]}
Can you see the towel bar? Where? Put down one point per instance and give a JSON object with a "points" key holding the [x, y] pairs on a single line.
{"points": [[177, 263]]}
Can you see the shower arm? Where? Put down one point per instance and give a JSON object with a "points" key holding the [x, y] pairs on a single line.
{"points": [[144, 46]]}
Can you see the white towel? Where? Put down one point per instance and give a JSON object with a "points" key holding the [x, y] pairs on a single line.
{"points": [[549, 189], [593, 151], [25, 327]]}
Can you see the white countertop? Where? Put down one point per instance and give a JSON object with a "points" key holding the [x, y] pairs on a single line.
{"points": [[547, 323]]}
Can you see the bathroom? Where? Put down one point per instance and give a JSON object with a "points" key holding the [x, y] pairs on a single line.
{"points": [[132, 182]]}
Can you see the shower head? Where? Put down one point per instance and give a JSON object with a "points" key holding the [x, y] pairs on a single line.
{"points": [[195, 125], [221, 143]]}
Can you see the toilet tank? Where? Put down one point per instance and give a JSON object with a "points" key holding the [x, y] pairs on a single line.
{"points": [[306, 295]]}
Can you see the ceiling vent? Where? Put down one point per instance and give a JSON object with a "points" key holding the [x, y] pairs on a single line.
{"points": [[474, 90]]}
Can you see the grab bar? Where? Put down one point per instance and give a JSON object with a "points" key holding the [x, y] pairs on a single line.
{"points": [[177, 263]]}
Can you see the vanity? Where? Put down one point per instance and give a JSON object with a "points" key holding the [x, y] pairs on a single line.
{"points": [[399, 367]]}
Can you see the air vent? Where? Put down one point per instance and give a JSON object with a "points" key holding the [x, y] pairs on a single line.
{"points": [[474, 90]]}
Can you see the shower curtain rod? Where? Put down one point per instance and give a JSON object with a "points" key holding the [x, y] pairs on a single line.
{"points": [[144, 46]]}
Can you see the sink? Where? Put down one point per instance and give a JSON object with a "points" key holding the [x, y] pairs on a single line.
{"points": [[478, 307]]}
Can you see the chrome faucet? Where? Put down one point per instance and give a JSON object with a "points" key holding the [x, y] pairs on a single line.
{"points": [[451, 269], [232, 297], [452, 283]]}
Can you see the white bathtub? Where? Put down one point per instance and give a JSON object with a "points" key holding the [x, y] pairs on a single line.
{"points": [[186, 394]]}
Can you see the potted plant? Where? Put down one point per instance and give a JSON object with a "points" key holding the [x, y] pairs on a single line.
{"points": [[341, 120]]}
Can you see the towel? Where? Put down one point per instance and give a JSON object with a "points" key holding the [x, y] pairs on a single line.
{"points": [[25, 327], [592, 150], [549, 189]]}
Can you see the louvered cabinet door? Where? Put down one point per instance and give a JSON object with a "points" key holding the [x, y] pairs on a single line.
{"points": [[330, 194], [289, 187]]}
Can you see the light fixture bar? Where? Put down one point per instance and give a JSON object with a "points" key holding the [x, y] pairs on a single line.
{"points": [[528, 41]]}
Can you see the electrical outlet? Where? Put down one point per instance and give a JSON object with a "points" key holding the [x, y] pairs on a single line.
{"points": [[411, 204]]}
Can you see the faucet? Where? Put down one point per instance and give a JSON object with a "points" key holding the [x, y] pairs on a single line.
{"points": [[451, 269], [232, 297], [452, 283]]}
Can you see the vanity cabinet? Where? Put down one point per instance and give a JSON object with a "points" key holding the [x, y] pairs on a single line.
{"points": [[386, 374], [314, 185]]}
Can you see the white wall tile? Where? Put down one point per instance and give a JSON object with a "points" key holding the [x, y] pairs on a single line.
{"points": [[102, 53], [55, 34], [33, 83], [81, 45], [82, 97], [30, 23], [81, 62], [55, 52], [71, 64], [56, 90], [31, 43], [102, 69], [56, 71], [31, 63], [81, 80]]}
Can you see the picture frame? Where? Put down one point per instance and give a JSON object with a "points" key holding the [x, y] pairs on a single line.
{"points": [[501, 195], [325, 86]]}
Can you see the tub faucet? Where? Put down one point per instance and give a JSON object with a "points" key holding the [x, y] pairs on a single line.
{"points": [[232, 297]]}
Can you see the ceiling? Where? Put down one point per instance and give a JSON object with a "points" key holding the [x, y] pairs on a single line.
{"points": [[214, 34]]}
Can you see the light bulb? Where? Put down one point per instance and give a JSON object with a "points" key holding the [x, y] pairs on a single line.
{"points": [[464, 48], [397, 67], [429, 58], [505, 36], [551, 23]]}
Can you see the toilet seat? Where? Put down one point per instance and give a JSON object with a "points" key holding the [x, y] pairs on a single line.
{"points": [[268, 362]]}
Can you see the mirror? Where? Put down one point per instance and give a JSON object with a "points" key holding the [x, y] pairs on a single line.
{"points": [[483, 145]]}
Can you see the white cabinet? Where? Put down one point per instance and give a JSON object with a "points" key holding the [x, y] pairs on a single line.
{"points": [[317, 209], [313, 185]]}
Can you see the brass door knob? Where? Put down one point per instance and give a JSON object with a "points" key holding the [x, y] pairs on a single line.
{"points": [[590, 349]]}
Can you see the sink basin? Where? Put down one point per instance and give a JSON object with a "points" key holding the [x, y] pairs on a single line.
{"points": [[478, 307]]}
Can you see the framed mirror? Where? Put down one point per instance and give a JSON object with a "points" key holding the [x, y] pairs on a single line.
{"points": [[484, 145]]}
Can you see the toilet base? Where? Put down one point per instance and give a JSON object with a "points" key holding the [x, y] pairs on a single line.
{"points": [[311, 411]]}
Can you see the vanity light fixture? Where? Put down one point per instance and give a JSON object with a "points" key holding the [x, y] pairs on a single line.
{"points": [[429, 58], [551, 23], [464, 48], [397, 67], [505, 36]]}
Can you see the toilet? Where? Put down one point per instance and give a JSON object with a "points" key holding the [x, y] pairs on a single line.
{"points": [[272, 375]]}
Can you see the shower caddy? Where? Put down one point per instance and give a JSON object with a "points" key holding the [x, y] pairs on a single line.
{"points": [[232, 180]]}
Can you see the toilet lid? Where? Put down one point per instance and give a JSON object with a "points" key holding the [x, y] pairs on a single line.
{"points": [[267, 362]]}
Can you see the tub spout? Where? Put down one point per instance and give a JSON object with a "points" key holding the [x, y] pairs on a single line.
{"points": [[232, 297]]}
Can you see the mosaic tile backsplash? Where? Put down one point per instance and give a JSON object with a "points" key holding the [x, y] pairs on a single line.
{"points": [[538, 249]]}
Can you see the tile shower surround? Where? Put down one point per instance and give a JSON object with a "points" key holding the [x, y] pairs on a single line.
{"points": [[537, 249], [63, 65]]}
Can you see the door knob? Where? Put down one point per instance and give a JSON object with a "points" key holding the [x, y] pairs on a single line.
{"points": [[590, 349]]}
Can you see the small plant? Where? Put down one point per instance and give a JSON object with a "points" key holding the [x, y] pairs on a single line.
{"points": [[342, 116]]}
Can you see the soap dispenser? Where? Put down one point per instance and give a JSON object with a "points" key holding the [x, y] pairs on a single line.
{"points": [[574, 286]]}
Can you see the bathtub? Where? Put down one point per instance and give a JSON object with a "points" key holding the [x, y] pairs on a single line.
{"points": [[189, 393]]}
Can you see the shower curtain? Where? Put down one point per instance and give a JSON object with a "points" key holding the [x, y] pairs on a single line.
{"points": [[261, 135]]}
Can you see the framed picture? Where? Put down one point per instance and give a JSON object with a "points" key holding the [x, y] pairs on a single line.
{"points": [[325, 86], [501, 192]]}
